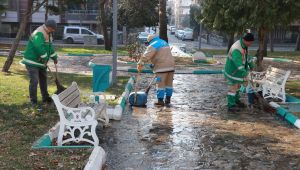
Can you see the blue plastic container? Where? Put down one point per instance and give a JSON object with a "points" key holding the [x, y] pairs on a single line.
{"points": [[141, 99], [101, 77]]}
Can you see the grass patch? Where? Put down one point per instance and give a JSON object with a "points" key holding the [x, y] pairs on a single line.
{"points": [[89, 50], [75, 50], [184, 60], [21, 124], [292, 87]]}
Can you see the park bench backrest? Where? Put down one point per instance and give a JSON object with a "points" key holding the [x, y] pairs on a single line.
{"points": [[71, 96], [274, 83], [276, 75]]}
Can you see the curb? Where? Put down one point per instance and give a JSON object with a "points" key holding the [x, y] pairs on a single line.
{"points": [[45, 141], [287, 115], [278, 60], [117, 112], [134, 70], [96, 159], [89, 55]]}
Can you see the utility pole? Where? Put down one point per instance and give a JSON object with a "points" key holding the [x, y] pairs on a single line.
{"points": [[114, 42]]}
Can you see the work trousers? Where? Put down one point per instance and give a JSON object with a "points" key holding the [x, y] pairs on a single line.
{"points": [[37, 76]]}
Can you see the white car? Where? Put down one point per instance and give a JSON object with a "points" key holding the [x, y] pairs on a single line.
{"points": [[142, 37], [187, 34], [179, 34], [172, 30], [75, 34]]}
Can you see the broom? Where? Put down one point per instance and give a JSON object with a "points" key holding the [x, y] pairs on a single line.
{"points": [[263, 104], [59, 87]]}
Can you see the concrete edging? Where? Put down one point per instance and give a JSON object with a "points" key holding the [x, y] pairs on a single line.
{"points": [[89, 55], [134, 70], [284, 113], [96, 159], [117, 112]]}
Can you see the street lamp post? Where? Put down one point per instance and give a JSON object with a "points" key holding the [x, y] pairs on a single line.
{"points": [[114, 42]]}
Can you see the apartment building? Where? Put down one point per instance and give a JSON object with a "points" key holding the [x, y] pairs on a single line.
{"points": [[75, 14], [182, 11]]}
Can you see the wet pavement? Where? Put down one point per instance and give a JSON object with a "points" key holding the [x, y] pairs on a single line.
{"points": [[198, 133]]}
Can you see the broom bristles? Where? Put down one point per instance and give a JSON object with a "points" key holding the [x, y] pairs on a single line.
{"points": [[264, 104], [60, 88]]}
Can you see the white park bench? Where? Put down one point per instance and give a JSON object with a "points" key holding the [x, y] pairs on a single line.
{"points": [[78, 121], [271, 82]]}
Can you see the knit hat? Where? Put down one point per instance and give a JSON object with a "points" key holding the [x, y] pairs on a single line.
{"points": [[248, 37], [51, 23], [150, 37]]}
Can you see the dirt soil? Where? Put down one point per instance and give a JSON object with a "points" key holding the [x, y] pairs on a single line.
{"points": [[197, 132]]}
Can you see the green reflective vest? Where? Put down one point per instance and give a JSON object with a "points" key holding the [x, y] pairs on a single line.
{"points": [[39, 49], [235, 69]]}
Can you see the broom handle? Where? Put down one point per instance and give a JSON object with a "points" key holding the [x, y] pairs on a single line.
{"points": [[52, 75], [56, 71], [135, 88], [150, 84]]}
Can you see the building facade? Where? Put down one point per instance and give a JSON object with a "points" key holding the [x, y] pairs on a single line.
{"points": [[182, 12], [75, 14]]}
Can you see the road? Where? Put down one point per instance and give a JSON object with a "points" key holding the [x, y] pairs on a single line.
{"points": [[194, 45], [191, 45]]}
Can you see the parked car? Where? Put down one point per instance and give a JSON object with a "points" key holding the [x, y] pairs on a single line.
{"points": [[150, 30], [187, 34], [179, 34], [142, 37], [75, 34], [173, 29]]}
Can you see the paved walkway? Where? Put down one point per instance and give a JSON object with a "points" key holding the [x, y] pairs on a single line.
{"points": [[196, 132]]}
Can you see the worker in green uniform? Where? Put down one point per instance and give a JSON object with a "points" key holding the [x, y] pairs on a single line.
{"points": [[236, 70], [38, 51]]}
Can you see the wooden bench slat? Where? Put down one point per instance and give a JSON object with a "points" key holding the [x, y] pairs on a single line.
{"points": [[68, 91], [74, 103], [278, 71], [70, 98]]}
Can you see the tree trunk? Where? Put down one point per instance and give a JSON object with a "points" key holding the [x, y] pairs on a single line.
{"points": [[261, 38], [271, 42], [298, 41], [124, 35], [46, 11], [230, 41], [207, 38], [162, 20], [11, 55], [265, 51], [107, 42]]}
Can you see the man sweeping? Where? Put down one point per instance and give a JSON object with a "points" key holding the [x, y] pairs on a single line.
{"points": [[38, 51], [159, 53], [236, 70]]}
